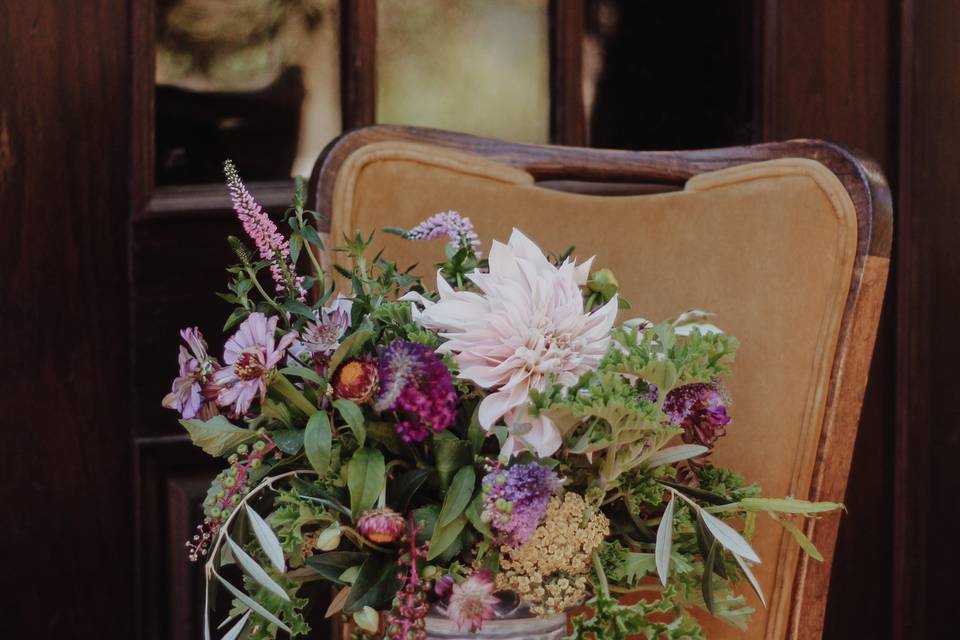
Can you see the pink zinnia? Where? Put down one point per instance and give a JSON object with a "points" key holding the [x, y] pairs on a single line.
{"points": [[249, 356], [186, 394], [472, 601]]}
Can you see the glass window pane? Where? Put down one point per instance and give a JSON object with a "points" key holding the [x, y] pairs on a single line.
{"points": [[648, 83], [477, 66], [257, 81]]}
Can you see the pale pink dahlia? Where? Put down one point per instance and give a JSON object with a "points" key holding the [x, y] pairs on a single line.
{"points": [[472, 601], [249, 356], [525, 329]]}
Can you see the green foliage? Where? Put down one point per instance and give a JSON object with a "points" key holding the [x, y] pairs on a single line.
{"points": [[726, 482], [291, 513], [612, 620]]}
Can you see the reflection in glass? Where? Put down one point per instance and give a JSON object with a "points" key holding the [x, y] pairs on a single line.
{"points": [[648, 85], [254, 80], [477, 66]]}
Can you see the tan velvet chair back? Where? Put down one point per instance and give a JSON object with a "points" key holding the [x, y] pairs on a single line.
{"points": [[787, 244]]}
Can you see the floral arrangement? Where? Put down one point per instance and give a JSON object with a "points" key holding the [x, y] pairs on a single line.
{"points": [[498, 442]]}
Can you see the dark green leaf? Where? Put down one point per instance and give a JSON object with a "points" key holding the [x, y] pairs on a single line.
{"points": [[300, 309], [304, 373], [235, 318], [332, 564], [458, 496], [709, 563], [318, 442], [352, 415], [473, 515], [475, 433], [452, 454], [290, 441], [426, 518], [386, 434], [366, 476], [217, 436], [310, 234], [705, 542], [375, 585], [443, 537], [349, 347], [402, 489], [296, 243]]}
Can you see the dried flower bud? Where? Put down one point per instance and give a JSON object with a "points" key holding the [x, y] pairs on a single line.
{"points": [[382, 526], [356, 379]]}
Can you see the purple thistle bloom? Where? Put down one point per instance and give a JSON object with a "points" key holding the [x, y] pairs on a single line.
{"points": [[416, 383], [447, 224], [700, 408], [516, 498]]}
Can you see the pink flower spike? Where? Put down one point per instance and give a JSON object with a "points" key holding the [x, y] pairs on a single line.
{"points": [[472, 601], [270, 243]]}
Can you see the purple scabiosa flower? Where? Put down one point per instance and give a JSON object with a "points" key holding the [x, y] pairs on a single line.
{"points": [[472, 601], [196, 366], [415, 382], [249, 357], [270, 242], [515, 499], [382, 526], [447, 224], [700, 408]]}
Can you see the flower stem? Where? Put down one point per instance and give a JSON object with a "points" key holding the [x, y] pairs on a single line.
{"points": [[291, 393], [601, 576]]}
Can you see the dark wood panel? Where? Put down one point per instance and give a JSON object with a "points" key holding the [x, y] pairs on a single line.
{"points": [[65, 477], [928, 438], [567, 119], [358, 52], [830, 72]]}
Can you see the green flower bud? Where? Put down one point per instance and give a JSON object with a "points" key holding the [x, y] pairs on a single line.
{"points": [[367, 619], [604, 283], [329, 538]]}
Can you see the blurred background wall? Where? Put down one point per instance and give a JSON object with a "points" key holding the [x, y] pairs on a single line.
{"points": [[115, 116]]}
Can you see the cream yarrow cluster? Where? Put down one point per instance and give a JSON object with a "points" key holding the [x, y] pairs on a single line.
{"points": [[550, 572]]}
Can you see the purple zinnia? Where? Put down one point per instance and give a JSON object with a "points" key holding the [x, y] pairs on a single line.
{"points": [[516, 498], [249, 356], [416, 383], [700, 408]]}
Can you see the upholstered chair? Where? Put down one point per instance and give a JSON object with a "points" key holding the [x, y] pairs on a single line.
{"points": [[787, 243]]}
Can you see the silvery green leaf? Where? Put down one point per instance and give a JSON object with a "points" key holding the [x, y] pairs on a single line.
{"points": [[729, 538], [787, 505], [206, 608], [217, 436], [664, 542], [670, 455], [751, 578], [255, 571], [703, 327], [251, 603], [235, 630], [267, 539]]}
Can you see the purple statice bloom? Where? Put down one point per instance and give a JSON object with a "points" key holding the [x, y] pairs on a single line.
{"points": [[700, 408], [318, 340], [249, 356], [271, 244], [186, 393], [447, 224], [515, 499], [415, 383]]}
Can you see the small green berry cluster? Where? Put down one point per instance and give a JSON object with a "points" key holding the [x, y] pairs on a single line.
{"points": [[228, 489]]}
